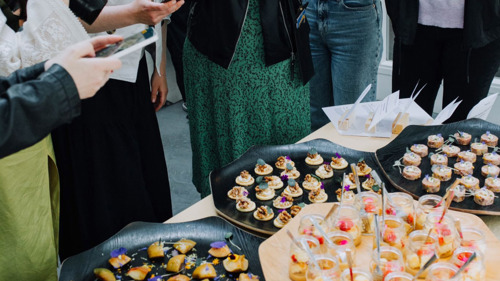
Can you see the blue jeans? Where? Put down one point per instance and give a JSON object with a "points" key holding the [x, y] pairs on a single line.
{"points": [[346, 48]]}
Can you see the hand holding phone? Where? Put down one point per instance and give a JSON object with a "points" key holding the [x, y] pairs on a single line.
{"points": [[129, 44]]}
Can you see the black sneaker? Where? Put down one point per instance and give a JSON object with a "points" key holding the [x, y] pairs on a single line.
{"points": [[184, 106]]}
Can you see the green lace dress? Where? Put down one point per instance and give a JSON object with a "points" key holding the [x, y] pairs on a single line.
{"points": [[248, 104]]}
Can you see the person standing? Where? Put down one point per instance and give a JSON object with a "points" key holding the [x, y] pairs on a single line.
{"points": [[346, 48], [454, 41]]}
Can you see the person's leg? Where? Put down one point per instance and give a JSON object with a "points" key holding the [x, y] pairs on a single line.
{"points": [[321, 83], [355, 41], [468, 74]]}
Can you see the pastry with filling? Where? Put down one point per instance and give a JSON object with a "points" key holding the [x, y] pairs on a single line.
{"points": [[431, 184], [479, 148], [490, 171], [484, 197], [283, 202], [439, 159], [156, 250], [489, 139], [119, 258], [179, 277], [411, 159], [219, 249], [491, 158], [467, 156], [282, 219], [245, 205], [176, 263], [459, 193], [469, 182], [441, 172], [421, 149], [104, 274], [184, 245], [412, 173], [274, 182], [462, 138], [205, 271], [313, 157], [324, 171], [138, 273], [282, 161], [318, 195], [244, 179], [492, 184], [237, 192], [263, 192], [311, 182], [338, 163], [435, 141], [235, 263], [464, 168], [263, 213], [262, 168], [363, 169], [451, 150], [291, 172], [293, 189]]}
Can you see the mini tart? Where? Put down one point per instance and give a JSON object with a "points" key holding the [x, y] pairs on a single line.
{"points": [[490, 171], [324, 171], [318, 195], [484, 197], [282, 161], [339, 163], [349, 195], [451, 150], [263, 170], [412, 173], [478, 148], [310, 182], [431, 184], [439, 159], [292, 174], [491, 158], [441, 172], [314, 159], [459, 193], [492, 184], [274, 182], [435, 141], [244, 179], [282, 219], [464, 168], [264, 194], [363, 169], [411, 159], [469, 182], [421, 149], [368, 183], [245, 205], [462, 138], [263, 213], [294, 191], [237, 192], [467, 156], [280, 203], [489, 139], [350, 180]]}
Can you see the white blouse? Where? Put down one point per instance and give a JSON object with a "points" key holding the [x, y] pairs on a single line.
{"points": [[442, 13]]}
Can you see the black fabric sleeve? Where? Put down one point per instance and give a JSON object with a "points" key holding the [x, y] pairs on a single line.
{"points": [[33, 104]]}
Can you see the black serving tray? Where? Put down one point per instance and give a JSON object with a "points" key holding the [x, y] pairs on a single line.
{"points": [[223, 179], [414, 134], [139, 235]]}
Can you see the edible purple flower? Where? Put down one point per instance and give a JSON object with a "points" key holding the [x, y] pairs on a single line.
{"points": [[288, 158], [337, 155], [439, 135], [218, 244], [368, 176], [347, 187], [483, 142], [284, 177], [281, 211], [175, 253], [322, 185], [283, 199], [487, 133], [118, 252], [426, 177], [156, 278], [245, 193]]}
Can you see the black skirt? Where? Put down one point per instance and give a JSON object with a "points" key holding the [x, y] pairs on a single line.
{"points": [[111, 164]]}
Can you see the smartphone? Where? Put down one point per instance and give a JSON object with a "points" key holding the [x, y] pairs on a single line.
{"points": [[129, 44]]}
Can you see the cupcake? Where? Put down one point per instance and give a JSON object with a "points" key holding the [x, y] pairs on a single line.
{"points": [[431, 184], [411, 159], [484, 197], [439, 159], [245, 205], [311, 182], [324, 171], [462, 138], [293, 189], [421, 149], [263, 213], [441, 172], [467, 156], [411, 173], [463, 168], [489, 139], [318, 195], [435, 141], [363, 169], [459, 193], [274, 182], [282, 219], [291, 172], [469, 182], [493, 184], [263, 192], [313, 157], [490, 171], [237, 192], [282, 161], [338, 163], [262, 169], [244, 179], [491, 158], [479, 148], [451, 150], [283, 202]]}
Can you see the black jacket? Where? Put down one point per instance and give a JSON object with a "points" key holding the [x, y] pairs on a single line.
{"points": [[481, 21], [33, 102], [215, 27]]}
